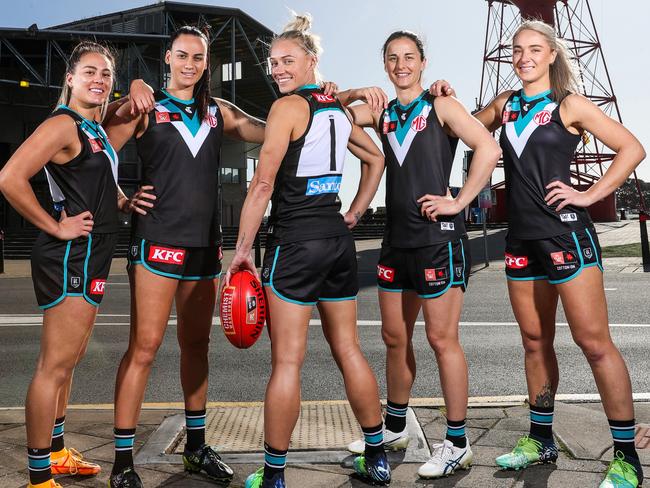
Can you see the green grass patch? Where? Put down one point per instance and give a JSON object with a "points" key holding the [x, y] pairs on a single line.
{"points": [[623, 251]]}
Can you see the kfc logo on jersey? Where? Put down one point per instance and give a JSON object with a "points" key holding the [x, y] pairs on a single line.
{"points": [[322, 98], [516, 262], [385, 273], [96, 145], [419, 123], [543, 117], [97, 287], [212, 121], [162, 117], [166, 255], [435, 274]]}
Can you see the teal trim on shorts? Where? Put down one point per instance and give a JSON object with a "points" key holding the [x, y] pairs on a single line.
{"points": [[276, 292], [451, 274], [462, 250], [342, 299], [593, 245], [171, 275], [88, 251], [527, 278], [65, 280], [578, 271]]}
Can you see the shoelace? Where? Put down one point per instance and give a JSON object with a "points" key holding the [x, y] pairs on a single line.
{"points": [[624, 467], [211, 454], [439, 451], [526, 445]]}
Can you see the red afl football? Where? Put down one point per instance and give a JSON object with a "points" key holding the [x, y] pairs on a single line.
{"points": [[243, 309]]}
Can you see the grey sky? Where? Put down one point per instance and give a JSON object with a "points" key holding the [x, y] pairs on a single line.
{"points": [[353, 31]]}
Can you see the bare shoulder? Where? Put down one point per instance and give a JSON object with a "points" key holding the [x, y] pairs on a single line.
{"points": [[290, 104], [577, 101], [61, 126]]}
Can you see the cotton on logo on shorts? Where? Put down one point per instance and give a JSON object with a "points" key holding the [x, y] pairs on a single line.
{"points": [[166, 255], [516, 262], [97, 287], [385, 273]]}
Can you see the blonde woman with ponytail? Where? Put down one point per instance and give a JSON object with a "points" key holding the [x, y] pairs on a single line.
{"points": [[72, 255], [310, 256], [552, 250]]}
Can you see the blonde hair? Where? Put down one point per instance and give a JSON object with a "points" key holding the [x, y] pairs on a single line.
{"points": [[78, 52], [563, 71], [298, 30]]}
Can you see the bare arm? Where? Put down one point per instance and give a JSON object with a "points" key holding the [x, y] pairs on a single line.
{"points": [[239, 125], [581, 114], [54, 140], [490, 116], [364, 114], [124, 125], [280, 127], [372, 167], [486, 155]]}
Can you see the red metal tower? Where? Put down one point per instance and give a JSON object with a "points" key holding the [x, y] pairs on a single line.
{"points": [[573, 21]]}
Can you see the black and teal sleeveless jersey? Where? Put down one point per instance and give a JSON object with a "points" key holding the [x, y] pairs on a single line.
{"points": [[419, 155], [305, 201], [537, 149], [88, 182], [180, 157]]}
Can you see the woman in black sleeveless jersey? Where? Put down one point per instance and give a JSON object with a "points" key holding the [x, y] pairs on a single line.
{"points": [[310, 256], [552, 250], [175, 251], [72, 255], [424, 262]]}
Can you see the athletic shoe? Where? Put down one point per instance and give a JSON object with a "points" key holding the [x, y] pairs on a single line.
{"points": [[206, 459], [46, 484], [528, 451], [620, 474], [374, 469], [127, 478], [256, 480], [393, 441], [446, 459], [72, 462]]}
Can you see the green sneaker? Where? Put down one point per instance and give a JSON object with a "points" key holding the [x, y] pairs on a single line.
{"points": [[620, 474], [528, 451]]}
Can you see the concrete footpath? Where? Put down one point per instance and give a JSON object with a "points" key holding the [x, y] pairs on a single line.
{"points": [[581, 431]]}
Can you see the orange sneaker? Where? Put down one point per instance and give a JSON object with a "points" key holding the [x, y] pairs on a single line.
{"points": [[47, 484], [72, 462]]}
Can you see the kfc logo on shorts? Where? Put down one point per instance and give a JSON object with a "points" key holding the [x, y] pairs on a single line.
{"points": [[322, 98], [97, 287], [419, 123], [562, 257], [96, 145], [516, 262], [385, 273], [212, 121], [166, 255], [162, 117], [435, 274], [543, 117]]}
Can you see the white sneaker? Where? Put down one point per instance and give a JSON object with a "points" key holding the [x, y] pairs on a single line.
{"points": [[446, 459], [393, 441]]}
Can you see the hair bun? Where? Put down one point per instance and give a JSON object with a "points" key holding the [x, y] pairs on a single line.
{"points": [[300, 23]]}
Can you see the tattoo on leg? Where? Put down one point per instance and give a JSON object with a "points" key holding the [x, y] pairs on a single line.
{"points": [[546, 397]]}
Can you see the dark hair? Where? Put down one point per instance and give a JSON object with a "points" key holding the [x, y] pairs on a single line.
{"points": [[202, 87], [78, 52], [409, 35]]}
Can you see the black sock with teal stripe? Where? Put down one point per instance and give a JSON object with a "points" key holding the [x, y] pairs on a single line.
{"points": [[374, 437], [57, 434], [541, 424], [456, 433], [275, 461], [395, 420], [124, 439], [40, 469], [195, 427], [623, 435]]}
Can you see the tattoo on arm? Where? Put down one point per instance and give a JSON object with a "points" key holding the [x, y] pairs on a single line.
{"points": [[239, 242], [546, 397], [357, 216]]}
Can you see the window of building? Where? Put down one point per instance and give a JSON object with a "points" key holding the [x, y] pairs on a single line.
{"points": [[226, 71]]}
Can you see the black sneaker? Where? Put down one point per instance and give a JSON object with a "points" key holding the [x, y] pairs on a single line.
{"points": [[127, 478], [206, 459]]}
